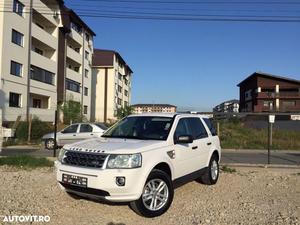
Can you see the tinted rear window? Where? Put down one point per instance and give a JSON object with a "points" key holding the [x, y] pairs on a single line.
{"points": [[197, 129], [210, 126]]}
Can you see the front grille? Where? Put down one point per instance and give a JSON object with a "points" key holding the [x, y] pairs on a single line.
{"points": [[84, 159]]}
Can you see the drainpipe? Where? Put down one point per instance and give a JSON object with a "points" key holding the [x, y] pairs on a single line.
{"points": [[29, 61]]}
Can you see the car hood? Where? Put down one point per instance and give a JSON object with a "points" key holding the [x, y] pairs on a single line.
{"points": [[115, 145], [47, 136]]}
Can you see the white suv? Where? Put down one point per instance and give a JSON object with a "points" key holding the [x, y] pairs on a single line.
{"points": [[141, 159]]}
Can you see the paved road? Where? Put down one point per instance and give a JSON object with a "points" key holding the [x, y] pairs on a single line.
{"points": [[228, 156]]}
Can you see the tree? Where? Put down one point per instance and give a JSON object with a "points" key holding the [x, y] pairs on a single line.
{"points": [[124, 111], [72, 111]]}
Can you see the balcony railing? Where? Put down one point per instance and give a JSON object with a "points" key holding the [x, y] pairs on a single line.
{"points": [[271, 95]]}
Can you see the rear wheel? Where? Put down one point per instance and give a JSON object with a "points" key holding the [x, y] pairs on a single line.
{"points": [[157, 195], [211, 175], [49, 144]]}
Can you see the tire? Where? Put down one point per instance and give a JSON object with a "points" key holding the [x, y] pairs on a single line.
{"points": [[49, 144], [211, 175], [159, 203]]}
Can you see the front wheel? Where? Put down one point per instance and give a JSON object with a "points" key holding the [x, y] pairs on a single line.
{"points": [[157, 195], [49, 144], [211, 174]]}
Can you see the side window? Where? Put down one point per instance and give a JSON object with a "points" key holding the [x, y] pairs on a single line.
{"points": [[197, 128], [182, 128], [70, 129], [210, 126], [85, 128]]}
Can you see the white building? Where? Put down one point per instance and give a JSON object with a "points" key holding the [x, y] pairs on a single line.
{"points": [[38, 67], [111, 85]]}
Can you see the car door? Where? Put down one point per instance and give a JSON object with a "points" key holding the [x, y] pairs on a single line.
{"points": [[85, 132], [185, 154], [202, 142], [68, 135]]}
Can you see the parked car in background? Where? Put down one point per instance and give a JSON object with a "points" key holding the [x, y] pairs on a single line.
{"points": [[73, 133], [141, 159]]}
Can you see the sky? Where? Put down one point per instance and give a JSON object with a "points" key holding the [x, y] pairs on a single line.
{"points": [[194, 64]]}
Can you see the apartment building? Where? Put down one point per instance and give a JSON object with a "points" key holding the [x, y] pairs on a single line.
{"points": [[150, 108], [34, 56], [230, 106], [111, 85], [75, 52], [262, 92]]}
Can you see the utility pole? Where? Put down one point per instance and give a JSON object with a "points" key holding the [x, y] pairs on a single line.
{"points": [[29, 61]]}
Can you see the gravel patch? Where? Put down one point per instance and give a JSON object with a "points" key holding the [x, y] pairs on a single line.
{"points": [[249, 196]]}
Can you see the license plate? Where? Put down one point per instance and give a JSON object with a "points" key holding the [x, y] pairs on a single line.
{"points": [[74, 180]]}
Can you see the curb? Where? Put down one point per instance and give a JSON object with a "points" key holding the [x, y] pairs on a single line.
{"points": [[279, 166], [260, 151]]}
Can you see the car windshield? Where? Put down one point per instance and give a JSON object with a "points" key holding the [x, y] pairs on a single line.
{"points": [[101, 125], [141, 127]]}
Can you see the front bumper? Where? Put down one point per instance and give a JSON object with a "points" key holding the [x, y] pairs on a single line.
{"points": [[102, 182]]}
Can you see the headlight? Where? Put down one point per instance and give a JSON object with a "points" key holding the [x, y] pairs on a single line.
{"points": [[61, 154], [124, 161]]}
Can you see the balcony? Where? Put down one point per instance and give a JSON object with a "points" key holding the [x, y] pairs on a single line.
{"points": [[44, 36], [76, 36], [43, 62], [73, 75], [282, 95], [72, 54], [48, 13]]}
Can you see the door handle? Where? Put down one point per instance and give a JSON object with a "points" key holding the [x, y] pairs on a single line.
{"points": [[194, 147], [74, 135], [209, 143], [91, 134]]}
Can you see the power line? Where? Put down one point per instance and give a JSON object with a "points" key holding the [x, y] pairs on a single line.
{"points": [[198, 2], [162, 18]]}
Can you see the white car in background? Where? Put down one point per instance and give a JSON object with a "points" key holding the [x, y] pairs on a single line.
{"points": [[74, 133]]}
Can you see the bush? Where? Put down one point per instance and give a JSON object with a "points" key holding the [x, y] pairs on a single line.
{"points": [[38, 129]]}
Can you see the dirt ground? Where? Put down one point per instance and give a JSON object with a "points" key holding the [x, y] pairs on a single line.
{"points": [[248, 196]]}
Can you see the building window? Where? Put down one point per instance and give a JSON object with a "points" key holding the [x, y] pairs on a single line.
{"points": [[87, 37], [42, 75], [85, 109], [86, 91], [126, 93], [86, 73], [87, 55], [14, 100], [17, 38], [16, 68], [76, 27], [72, 85], [18, 7], [39, 51], [126, 81], [120, 76], [36, 103], [125, 103], [119, 89], [288, 104], [119, 101], [76, 69]]}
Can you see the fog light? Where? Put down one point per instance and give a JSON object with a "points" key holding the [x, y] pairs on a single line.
{"points": [[120, 181]]}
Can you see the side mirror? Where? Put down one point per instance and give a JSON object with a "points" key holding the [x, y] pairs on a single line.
{"points": [[184, 139]]}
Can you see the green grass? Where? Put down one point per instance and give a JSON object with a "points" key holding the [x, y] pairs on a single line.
{"points": [[25, 161], [234, 135], [227, 169]]}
